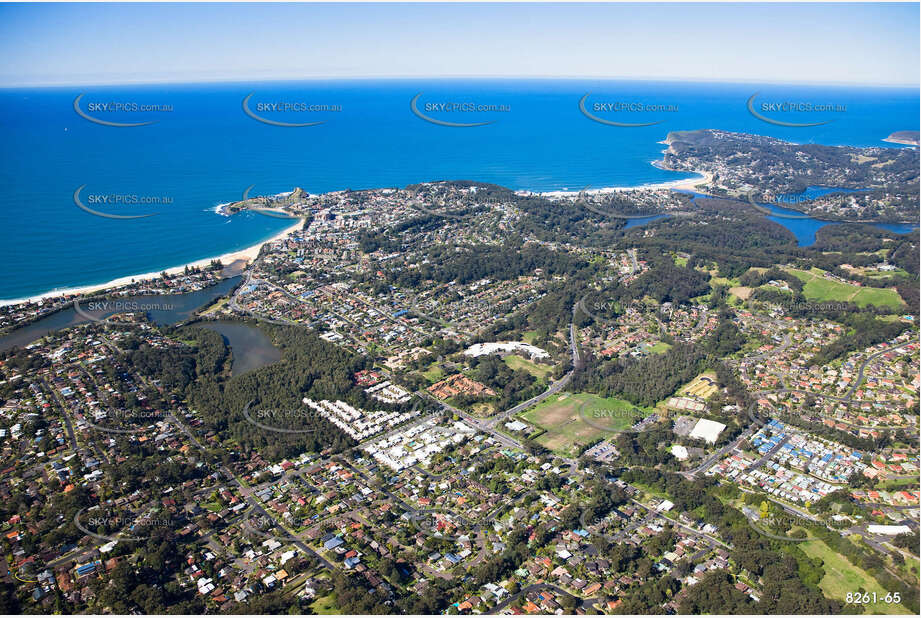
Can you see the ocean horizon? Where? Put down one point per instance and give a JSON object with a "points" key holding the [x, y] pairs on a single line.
{"points": [[203, 148]]}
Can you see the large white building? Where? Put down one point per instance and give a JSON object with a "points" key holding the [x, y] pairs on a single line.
{"points": [[888, 530], [707, 430], [508, 347]]}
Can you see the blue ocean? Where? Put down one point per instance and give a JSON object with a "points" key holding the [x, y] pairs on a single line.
{"points": [[197, 147]]}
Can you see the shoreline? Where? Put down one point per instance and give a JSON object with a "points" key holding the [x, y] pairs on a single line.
{"points": [[686, 184], [903, 142], [247, 254], [692, 185]]}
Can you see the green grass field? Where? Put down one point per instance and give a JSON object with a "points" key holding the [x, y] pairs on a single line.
{"points": [[842, 577], [776, 289], [820, 289], [433, 373], [911, 566], [659, 348], [875, 274], [324, 606], [221, 302], [566, 429], [538, 371], [529, 337], [729, 283]]}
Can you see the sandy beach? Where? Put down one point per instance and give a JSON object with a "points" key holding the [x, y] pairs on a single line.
{"points": [[691, 185], [903, 142], [684, 185], [243, 255]]}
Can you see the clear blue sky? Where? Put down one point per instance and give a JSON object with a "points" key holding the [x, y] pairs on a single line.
{"points": [[117, 43]]}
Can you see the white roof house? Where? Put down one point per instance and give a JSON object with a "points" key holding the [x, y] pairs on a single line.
{"points": [[680, 452], [888, 530]]}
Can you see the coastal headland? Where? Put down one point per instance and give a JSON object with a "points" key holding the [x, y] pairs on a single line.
{"points": [[907, 138]]}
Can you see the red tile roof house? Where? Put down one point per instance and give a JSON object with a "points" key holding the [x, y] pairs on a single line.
{"points": [[592, 589]]}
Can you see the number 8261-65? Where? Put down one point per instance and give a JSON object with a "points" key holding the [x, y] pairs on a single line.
{"points": [[865, 598]]}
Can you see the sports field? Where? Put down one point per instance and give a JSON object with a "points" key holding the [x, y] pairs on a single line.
{"points": [[564, 419], [842, 577], [820, 289], [699, 387]]}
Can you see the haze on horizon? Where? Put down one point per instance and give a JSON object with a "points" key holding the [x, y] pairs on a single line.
{"points": [[781, 43]]}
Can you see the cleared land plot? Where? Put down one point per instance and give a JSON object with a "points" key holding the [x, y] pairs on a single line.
{"points": [[842, 577], [483, 409], [538, 371], [741, 292], [566, 429], [818, 288]]}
